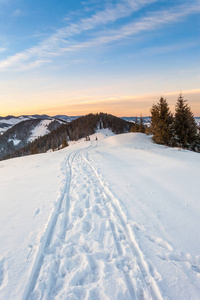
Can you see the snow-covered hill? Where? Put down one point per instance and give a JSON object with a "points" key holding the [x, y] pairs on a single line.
{"points": [[9, 121], [20, 134], [112, 218]]}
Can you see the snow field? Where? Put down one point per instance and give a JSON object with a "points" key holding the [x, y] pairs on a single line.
{"points": [[89, 256], [40, 130], [29, 187], [159, 189], [116, 218]]}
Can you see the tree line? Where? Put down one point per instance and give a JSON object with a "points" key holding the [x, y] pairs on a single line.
{"points": [[178, 130], [79, 128]]}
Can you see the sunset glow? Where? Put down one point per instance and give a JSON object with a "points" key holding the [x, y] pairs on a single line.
{"points": [[78, 57]]}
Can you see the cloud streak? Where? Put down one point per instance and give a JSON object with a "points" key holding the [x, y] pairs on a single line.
{"points": [[2, 49], [61, 42], [57, 41]]}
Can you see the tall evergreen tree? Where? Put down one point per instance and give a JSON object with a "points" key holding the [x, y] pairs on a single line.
{"points": [[64, 143], [136, 124], [185, 127], [141, 125], [161, 122]]}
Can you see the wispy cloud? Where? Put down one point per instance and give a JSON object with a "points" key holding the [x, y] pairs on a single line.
{"points": [[2, 49], [153, 21], [60, 42], [55, 42], [33, 65]]}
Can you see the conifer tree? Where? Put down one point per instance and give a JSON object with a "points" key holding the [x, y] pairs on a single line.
{"points": [[141, 125], [64, 143], [161, 122], [185, 127], [136, 125], [34, 150]]}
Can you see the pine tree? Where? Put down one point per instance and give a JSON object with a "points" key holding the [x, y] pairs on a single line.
{"points": [[53, 144], [64, 143], [34, 150], [136, 125], [161, 122], [185, 127], [141, 125]]}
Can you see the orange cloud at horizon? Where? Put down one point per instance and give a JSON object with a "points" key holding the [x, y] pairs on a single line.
{"points": [[119, 106]]}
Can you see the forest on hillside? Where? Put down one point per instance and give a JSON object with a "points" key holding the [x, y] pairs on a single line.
{"points": [[82, 127]]}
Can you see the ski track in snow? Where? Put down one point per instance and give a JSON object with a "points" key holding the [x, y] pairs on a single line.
{"points": [[145, 271], [89, 249], [62, 202]]}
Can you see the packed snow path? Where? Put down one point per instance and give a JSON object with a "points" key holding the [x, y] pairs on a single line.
{"points": [[89, 250]]}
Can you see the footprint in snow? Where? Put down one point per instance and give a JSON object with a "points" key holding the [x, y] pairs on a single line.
{"points": [[86, 226], [155, 274], [196, 269], [87, 203], [84, 195], [160, 242], [36, 212]]}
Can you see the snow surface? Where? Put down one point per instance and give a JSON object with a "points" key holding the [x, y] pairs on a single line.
{"points": [[14, 121], [116, 218], [11, 122], [40, 130]]}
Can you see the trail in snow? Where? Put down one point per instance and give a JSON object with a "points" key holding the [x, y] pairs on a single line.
{"points": [[59, 211], [89, 250], [115, 211], [115, 221]]}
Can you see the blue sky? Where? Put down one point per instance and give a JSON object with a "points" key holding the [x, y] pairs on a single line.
{"points": [[77, 57]]}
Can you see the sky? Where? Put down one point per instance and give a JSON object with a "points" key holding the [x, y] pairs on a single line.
{"points": [[77, 57]]}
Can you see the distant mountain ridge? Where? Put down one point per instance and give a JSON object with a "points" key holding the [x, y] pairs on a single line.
{"points": [[25, 138], [146, 120], [9, 121]]}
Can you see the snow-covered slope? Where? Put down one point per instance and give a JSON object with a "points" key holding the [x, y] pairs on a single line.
{"points": [[10, 121], [113, 218], [40, 130], [24, 132]]}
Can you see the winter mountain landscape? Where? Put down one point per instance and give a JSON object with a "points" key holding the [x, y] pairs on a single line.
{"points": [[100, 150], [116, 217]]}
